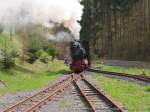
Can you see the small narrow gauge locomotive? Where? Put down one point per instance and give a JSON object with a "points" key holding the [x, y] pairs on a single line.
{"points": [[79, 62]]}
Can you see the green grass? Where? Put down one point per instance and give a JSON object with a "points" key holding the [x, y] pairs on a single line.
{"points": [[31, 77], [27, 77], [134, 97], [24, 82], [128, 70]]}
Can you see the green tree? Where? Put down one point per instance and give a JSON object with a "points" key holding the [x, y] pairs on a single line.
{"points": [[7, 58], [33, 41], [52, 51], [43, 56], [1, 28]]}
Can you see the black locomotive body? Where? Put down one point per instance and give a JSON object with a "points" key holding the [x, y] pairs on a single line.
{"points": [[79, 62]]}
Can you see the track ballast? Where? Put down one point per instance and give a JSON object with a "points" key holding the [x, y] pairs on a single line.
{"points": [[94, 99]]}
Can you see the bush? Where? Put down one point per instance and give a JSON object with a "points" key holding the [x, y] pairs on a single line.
{"points": [[7, 59], [33, 41], [32, 57], [37, 55], [53, 52], [43, 56]]}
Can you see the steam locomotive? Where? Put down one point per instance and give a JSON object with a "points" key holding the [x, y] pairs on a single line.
{"points": [[78, 55]]}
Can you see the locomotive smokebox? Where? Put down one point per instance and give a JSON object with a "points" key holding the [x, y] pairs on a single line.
{"points": [[78, 57], [77, 51]]}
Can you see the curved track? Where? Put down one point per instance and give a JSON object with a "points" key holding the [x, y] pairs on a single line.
{"points": [[136, 77]]}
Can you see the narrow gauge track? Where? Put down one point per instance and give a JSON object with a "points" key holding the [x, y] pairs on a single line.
{"points": [[136, 77], [97, 101], [36, 101]]}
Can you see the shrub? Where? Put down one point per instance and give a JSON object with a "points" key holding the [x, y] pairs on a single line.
{"points": [[53, 52], [7, 58], [43, 56], [32, 57]]}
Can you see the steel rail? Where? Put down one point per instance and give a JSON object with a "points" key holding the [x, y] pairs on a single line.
{"points": [[55, 86], [82, 93], [33, 108], [99, 93], [56, 89], [108, 100], [137, 77]]}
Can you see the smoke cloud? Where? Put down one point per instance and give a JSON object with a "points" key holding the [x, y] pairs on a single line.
{"points": [[16, 13], [60, 37]]}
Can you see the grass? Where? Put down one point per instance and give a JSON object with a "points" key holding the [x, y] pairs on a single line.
{"points": [[38, 67], [31, 77], [134, 97], [128, 70], [27, 77]]}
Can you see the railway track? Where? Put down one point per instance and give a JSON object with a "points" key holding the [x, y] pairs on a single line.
{"points": [[97, 101], [136, 77], [36, 101]]}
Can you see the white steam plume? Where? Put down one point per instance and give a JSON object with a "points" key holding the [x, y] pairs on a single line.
{"points": [[60, 37], [16, 13]]}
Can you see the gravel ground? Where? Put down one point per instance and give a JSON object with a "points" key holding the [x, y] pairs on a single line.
{"points": [[69, 101], [9, 100], [122, 78]]}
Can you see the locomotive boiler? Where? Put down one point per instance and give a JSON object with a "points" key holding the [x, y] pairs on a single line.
{"points": [[79, 61]]}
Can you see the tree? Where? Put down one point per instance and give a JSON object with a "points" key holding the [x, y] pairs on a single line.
{"points": [[8, 57], [1, 28], [43, 56], [33, 41], [52, 51]]}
